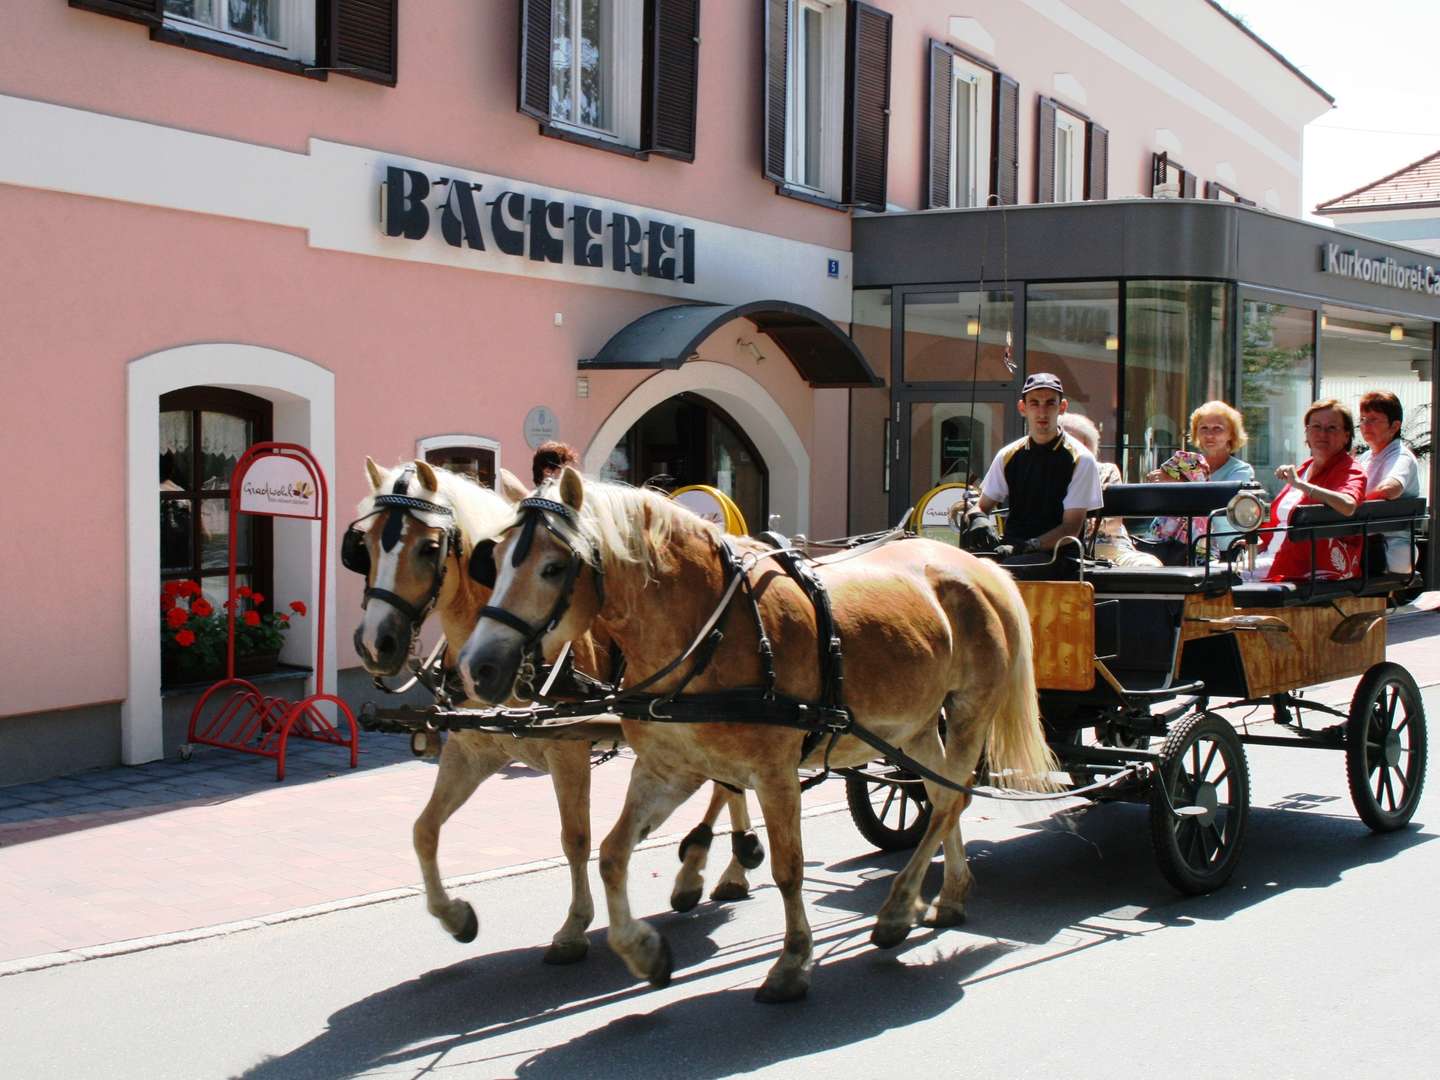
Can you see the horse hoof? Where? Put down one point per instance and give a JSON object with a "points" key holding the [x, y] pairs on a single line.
{"points": [[685, 900], [566, 952], [888, 935], [778, 993], [748, 850], [944, 916], [664, 964], [730, 890], [467, 933]]}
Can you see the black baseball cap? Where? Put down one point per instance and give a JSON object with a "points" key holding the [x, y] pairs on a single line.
{"points": [[1042, 380]]}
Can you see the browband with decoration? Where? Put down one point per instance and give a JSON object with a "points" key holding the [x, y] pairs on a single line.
{"points": [[409, 502], [535, 502]]}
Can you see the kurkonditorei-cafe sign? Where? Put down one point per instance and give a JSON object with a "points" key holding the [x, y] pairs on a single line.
{"points": [[541, 229], [1420, 277]]}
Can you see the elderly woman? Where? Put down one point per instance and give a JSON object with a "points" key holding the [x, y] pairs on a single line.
{"points": [[1330, 478], [1112, 540], [1217, 431]]}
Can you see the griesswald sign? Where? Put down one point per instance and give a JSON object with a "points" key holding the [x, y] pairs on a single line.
{"points": [[1383, 271], [533, 227]]}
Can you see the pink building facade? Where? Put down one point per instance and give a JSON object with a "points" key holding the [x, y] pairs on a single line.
{"points": [[392, 234]]}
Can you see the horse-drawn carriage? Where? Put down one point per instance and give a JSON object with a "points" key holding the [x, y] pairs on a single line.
{"points": [[1142, 667], [748, 662]]}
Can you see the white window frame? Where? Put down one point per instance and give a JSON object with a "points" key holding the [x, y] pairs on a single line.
{"points": [[626, 28], [470, 442], [832, 104], [1069, 150], [970, 186], [297, 31]]}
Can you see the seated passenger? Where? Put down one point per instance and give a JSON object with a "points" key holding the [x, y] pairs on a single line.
{"points": [[1330, 477], [1112, 539], [1218, 431], [1391, 471], [1049, 480]]}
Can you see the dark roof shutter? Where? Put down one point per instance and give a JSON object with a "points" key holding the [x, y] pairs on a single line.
{"points": [[149, 12], [1005, 141], [777, 50], [1159, 170], [867, 106], [362, 39], [672, 65], [941, 127], [1187, 185], [1045, 152], [534, 66], [1097, 161]]}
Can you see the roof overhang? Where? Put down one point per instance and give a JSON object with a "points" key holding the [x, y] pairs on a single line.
{"points": [[822, 353]]}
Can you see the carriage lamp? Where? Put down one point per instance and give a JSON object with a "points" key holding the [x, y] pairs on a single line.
{"points": [[1245, 511]]}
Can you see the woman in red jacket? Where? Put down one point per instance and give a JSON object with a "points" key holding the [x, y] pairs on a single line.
{"points": [[1332, 478]]}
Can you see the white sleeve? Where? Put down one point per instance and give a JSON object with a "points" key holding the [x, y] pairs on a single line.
{"points": [[994, 485], [1405, 470], [1084, 491]]}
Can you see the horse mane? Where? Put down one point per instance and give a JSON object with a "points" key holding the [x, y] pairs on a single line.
{"points": [[634, 526], [480, 513]]}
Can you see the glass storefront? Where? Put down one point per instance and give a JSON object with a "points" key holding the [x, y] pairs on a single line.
{"points": [[870, 428], [953, 442], [1074, 331], [959, 337], [1277, 384]]}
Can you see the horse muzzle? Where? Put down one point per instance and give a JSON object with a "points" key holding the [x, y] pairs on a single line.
{"points": [[383, 644], [488, 670]]}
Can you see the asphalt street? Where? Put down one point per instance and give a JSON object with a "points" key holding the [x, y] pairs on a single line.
{"points": [[1321, 957]]}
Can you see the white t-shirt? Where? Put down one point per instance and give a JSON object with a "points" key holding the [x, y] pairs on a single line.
{"points": [[1395, 462]]}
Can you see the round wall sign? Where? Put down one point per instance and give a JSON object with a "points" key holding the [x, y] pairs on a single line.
{"points": [[932, 512], [541, 426]]}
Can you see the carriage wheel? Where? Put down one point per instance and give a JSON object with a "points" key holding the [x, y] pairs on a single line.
{"points": [[1199, 803], [891, 816], [1385, 747]]}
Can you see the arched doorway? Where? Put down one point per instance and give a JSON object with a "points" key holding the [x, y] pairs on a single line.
{"points": [[688, 439]]}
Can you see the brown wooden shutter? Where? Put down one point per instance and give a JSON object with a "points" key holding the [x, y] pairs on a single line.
{"points": [[1005, 141], [672, 66], [1159, 166], [362, 39], [534, 65], [1097, 161], [941, 125], [777, 55], [1187, 185], [867, 105], [148, 12], [1045, 152]]}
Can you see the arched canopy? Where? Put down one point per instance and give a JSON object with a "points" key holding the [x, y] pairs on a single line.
{"points": [[823, 353]]}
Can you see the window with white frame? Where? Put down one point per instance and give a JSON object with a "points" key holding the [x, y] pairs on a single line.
{"points": [[283, 28], [815, 82], [472, 456], [595, 68], [970, 134], [1069, 157]]}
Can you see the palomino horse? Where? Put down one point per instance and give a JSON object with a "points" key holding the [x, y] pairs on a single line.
{"points": [[418, 548], [923, 625]]}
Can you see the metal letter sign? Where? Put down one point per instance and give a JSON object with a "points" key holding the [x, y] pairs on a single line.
{"points": [[279, 485]]}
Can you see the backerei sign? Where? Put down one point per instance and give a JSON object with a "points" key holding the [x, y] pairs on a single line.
{"points": [[528, 226], [1383, 271]]}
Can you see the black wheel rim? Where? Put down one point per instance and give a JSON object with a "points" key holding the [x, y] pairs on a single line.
{"points": [[898, 806], [1204, 775], [1390, 754]]}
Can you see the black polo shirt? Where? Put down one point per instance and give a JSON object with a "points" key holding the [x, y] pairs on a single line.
{"points": [[1040, 483]]}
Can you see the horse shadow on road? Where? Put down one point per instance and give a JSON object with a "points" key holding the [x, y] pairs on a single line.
{"points": [[1062, 888]]}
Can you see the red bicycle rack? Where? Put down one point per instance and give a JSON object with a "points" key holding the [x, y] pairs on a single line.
{"points": [[290, 484]]}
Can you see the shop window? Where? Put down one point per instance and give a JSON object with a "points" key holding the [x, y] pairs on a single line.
{"points": [[873, 448], [203, 433], [1073, 330], [619, 74], [973, 131], [1277, 384], [282, 27], [1174, 359], [959, 337], [1169, 179], [472, 456], [827, 100]]}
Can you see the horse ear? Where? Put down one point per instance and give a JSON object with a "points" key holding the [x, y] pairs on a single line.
{"points": [[572, 488], [377, 474], [511, 487], [427, 475]]}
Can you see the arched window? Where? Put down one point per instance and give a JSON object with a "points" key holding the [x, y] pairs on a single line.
{"points": [[203, 432]]}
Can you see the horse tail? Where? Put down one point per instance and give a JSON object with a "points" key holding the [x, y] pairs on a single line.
{"points": [[1017, 752]]}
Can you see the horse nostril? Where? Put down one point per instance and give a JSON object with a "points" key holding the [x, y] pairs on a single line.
{"points": [[386, 644], [486, 675]]}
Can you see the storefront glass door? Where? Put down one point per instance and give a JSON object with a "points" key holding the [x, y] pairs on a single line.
{"points": [[949, 442]]}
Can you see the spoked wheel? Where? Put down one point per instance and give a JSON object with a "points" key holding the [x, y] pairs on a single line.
{"points": [[1199, 803], [892, 816], [1385, 748]]}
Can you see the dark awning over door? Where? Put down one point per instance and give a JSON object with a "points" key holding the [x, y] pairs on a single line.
{"points": [[822, 352]]}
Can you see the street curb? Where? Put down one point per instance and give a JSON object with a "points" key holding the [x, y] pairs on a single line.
{"points": [[44, 961]]}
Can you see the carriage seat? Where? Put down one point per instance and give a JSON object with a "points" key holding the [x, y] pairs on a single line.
{"points": [[1181, 499], [1163, 580]]}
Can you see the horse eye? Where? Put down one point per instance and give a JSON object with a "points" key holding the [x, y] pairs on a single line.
{"points": [[553, 570], [430, 548]]}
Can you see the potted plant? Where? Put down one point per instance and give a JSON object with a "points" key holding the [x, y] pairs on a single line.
{"points": [[193, 633]]}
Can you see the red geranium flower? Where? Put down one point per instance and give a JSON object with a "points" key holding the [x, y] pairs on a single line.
{"points": [[252, 618], [284, 619], [244, 590], [176, 617], [167, 602], [229, 604], [189, 588], [185, 638], [298, 606], [257, 598], [202, 607], [172, 588]]}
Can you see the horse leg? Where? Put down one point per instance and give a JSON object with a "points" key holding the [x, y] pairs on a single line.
{"points": [[789, 977], [964, 741], [569, 764], [746, 851], [463, 765], [694, 852], [649, 800]]}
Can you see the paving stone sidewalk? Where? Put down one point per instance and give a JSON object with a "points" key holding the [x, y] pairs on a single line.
{"points": [[130, 853]]}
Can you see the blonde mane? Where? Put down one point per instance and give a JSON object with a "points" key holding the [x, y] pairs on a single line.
{"points": [[632, 526], [480, 513]]}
